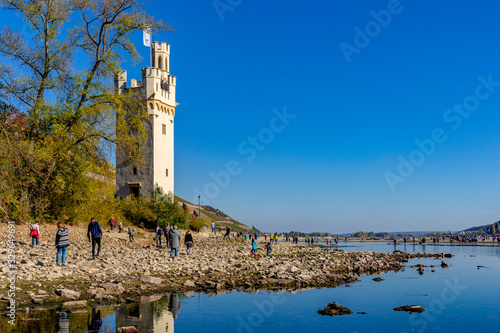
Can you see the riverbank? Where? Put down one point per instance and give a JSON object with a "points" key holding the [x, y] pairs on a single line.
{"points": [[126, 271]]}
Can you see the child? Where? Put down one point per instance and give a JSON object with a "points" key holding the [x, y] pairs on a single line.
{"points": [[254, 248], [269, 249]]}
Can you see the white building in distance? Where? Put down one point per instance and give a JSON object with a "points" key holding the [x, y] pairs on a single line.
{"points": [[158, 89]]}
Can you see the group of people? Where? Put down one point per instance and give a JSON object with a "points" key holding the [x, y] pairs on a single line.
{"points": [[253, 251], [172, 239], [61, 243], [95, 234]]}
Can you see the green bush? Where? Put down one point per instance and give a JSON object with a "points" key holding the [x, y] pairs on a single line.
{"points": [[159, 209], [197, 224], [138, 212]]}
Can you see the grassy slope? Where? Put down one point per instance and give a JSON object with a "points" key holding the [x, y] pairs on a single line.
{"points": [[220, 219]]}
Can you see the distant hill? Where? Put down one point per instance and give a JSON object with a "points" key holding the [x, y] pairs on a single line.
{"points": [[487, 228], [221, 219]]}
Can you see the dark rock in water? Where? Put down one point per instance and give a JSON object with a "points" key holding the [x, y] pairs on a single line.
{"points": [[448, 255], [444, 264], [334, 309], [378, 279], [410, 308], [363, 313]]}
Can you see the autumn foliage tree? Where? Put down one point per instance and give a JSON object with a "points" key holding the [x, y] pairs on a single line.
{"points": [[60, 117]]}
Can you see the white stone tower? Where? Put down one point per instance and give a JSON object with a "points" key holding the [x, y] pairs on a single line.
{"points": [[158, 91]]}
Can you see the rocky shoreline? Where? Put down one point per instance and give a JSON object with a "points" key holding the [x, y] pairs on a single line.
{"points": [[126, 271]]}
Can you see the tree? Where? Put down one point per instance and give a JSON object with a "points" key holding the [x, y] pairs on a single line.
{"points": [[67, 117]]}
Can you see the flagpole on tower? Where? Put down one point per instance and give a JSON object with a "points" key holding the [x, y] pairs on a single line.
{"points": [[146, 39]]}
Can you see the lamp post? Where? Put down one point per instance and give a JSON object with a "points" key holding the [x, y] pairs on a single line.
{"points": [[199, 206]]}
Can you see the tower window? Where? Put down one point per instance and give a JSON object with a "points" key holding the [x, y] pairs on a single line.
{"points": [[166, 172], [134, 170], [163, 129]]}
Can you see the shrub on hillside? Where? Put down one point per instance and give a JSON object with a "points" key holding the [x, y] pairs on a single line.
{"points": [[197, 224], [159, 209]]}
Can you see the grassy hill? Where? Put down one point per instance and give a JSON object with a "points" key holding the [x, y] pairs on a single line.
{"points": [[221, 219], [487, 228]]}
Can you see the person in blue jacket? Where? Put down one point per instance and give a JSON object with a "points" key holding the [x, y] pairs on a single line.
{"points": [[254, 248], [94, 231]]}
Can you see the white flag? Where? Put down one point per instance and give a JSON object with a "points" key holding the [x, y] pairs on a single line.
{"points": [[146, 37]]}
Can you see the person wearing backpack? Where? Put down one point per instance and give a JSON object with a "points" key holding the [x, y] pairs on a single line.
{"points": [[111, 223], [62, 243], [159, 233]]}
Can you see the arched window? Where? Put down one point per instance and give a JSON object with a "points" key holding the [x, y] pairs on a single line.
{"points": [[151, 106], [160, 63]]}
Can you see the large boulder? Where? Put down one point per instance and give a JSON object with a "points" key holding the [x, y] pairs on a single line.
{"points": [[113, 288], [150, 279], [189, 283], [67, 293]]}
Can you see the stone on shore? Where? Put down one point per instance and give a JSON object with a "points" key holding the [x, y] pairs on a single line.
{"points": [[189, 283], [150, 279], [113, 288], [67, 293], [75, 304]]}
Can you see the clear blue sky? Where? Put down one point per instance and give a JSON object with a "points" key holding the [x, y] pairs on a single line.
{"points": [[359, 101]]}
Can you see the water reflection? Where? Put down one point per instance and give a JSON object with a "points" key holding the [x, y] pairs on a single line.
{"points": [[299, 312], [62, 323], [153, 314], [94, 321]]}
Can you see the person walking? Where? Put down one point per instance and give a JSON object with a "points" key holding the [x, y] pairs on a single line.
{"points": [[159, 233], [166, 230], [213, 226], [120, 226], [94, 231], [111, 223], [130, 235], [174, 237], [228, 231], [34, 233], [188, 240], [62, 243], [254, 248], [256, 235], [268, 249]]}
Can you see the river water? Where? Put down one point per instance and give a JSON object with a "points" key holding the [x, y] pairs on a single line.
{"points": [[461, 298]]}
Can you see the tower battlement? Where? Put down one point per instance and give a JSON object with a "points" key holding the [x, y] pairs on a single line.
{"points": [[160, 47]]}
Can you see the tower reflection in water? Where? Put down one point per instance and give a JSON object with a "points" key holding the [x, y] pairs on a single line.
{"points": [[153, 314]]}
